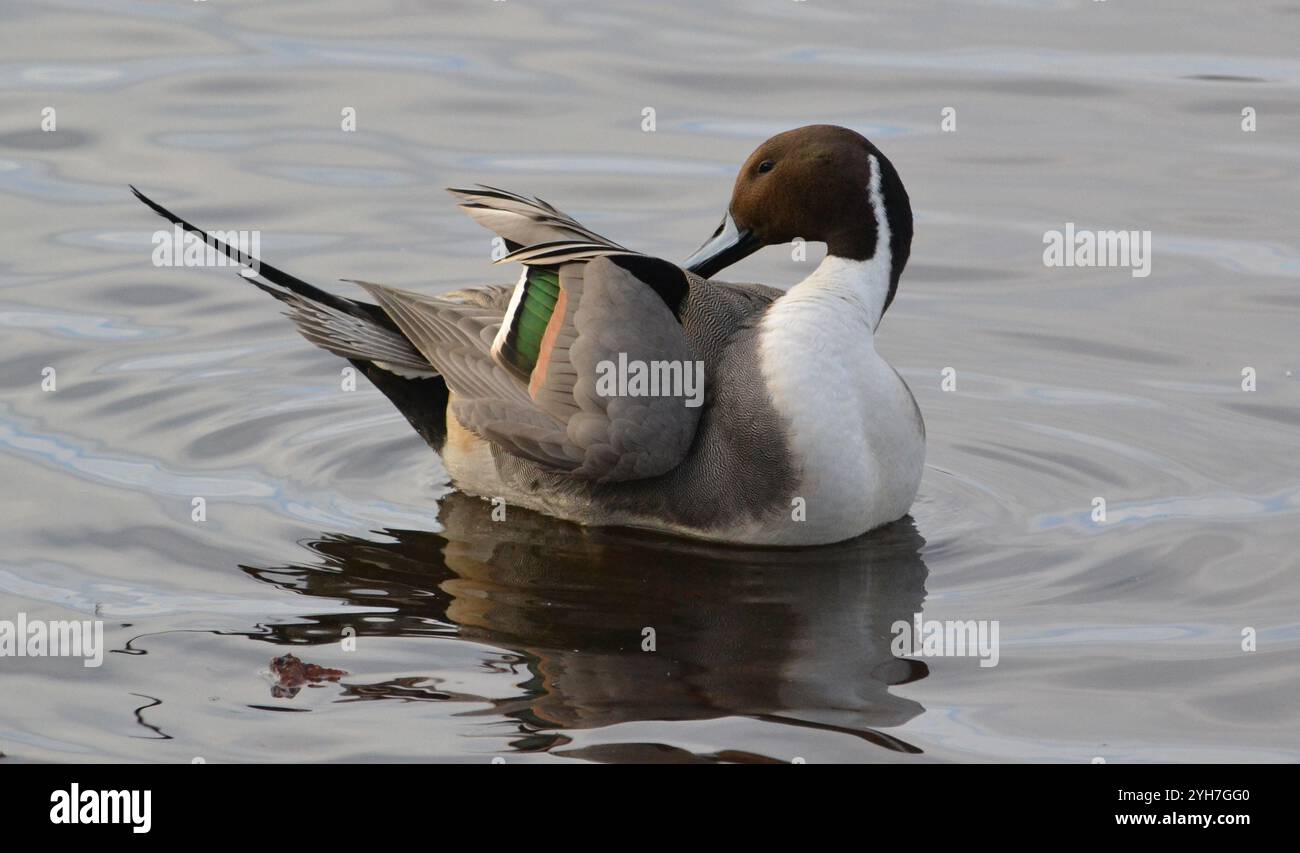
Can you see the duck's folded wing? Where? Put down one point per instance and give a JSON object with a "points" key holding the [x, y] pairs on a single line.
{"points": [[610, 388]]}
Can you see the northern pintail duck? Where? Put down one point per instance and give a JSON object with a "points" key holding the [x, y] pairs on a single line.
{"points": [[569, 392]]}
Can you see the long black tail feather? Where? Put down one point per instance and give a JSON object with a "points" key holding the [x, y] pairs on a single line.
{"points": [[273, 275], [423, 401]]}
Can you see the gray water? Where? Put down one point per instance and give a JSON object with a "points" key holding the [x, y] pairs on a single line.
{"points": [[326, 515]]}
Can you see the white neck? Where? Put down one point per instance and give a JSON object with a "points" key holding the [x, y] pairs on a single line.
{"points": [[863, 285]]}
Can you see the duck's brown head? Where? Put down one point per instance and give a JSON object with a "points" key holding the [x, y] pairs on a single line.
{"points": [[821, 183]]}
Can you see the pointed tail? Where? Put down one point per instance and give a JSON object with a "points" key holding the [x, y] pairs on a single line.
{"points": [[362, 333]]}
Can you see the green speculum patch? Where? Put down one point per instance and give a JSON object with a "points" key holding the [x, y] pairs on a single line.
{"points": [[541, 291]]}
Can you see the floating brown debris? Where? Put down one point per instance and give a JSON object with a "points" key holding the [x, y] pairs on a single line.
{"points": [[292, 675]]}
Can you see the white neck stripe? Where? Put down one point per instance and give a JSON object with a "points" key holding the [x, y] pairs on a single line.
{"points": [[877, 198]]}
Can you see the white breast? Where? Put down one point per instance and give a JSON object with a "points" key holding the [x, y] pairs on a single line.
{"points": [[855, 432]]}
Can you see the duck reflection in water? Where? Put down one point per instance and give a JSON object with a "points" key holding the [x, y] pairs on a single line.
{"points": [[799, 637]]}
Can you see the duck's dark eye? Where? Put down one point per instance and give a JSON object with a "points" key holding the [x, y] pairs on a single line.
{"points": [[765, 166]]}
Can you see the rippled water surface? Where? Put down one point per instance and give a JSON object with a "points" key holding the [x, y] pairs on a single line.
{"points": [[474, 639]]}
